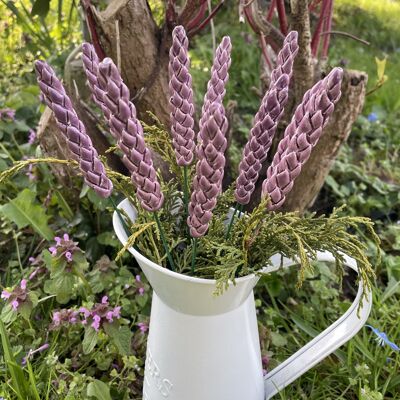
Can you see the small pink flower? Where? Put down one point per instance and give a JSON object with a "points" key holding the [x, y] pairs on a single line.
{"points": [[57, 318], [143, 326], [15, 305], [138, 279], [58, 241], [53, 251], [117, 312], [34, 273], [68, 256], [5, 294], [84, 311], [31, 259], [32, 136], [66, 237], [110, 315], [96, 322], [141, 291], [23, 284], [104, 300]]}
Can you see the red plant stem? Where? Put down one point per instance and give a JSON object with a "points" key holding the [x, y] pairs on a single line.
{"points": [[271, 10], [207, 20], [327, 28], [170, 13], [92, 29], [249, 16], [280, 5], [198, 17], [264, 51], [317, 33]]}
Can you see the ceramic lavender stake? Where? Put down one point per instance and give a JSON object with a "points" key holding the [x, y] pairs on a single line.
{"points": [[78, 141], [209, 173], [265, 124], [181, 105], [302, 135]]}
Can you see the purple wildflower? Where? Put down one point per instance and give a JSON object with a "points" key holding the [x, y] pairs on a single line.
{"points": [[32, 136], [265, 363], [63, 318], [143, 326], [139, 285], [17, 296], [100, 313], [31, 352], [8, 113], [64, 247], [382, 338], [30, 174]]}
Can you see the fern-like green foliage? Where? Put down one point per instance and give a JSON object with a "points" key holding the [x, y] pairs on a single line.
{"points": [[254, 238]]}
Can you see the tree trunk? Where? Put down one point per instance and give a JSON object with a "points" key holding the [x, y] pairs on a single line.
{"points": [[303, 68], [313, 174], [143, 50]]}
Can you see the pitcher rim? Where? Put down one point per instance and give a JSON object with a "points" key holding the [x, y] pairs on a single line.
{"points": [[119, 231]]}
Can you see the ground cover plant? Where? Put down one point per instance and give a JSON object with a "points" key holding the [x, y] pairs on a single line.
{"points": [[61, 294]]}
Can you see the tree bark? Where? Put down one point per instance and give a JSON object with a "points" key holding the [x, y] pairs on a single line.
{"points": [[312, 177], [303, 68], [144, 53]]}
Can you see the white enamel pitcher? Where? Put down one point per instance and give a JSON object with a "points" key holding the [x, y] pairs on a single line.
{"points": [[206, 347]]}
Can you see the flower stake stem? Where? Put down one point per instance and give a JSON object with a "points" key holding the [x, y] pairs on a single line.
{"points": [[186, 189], [194, 251], [237, 207], [160, 229]]}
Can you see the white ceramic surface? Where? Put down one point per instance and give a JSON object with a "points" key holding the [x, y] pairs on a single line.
{"points": [[203, 347]]}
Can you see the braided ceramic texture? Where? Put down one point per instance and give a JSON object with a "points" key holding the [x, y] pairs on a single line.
{"points": [[126, 126], [285, 59], [266, 121], [78, 141], [281, 174], [307, 104], [181, 100], [219, 77], [209, 171], [95, 80]]}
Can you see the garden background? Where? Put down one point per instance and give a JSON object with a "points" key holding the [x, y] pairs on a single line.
{"points": [[45, 355]]}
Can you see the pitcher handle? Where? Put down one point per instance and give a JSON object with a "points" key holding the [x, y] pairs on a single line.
{"points": [[326, 342]]}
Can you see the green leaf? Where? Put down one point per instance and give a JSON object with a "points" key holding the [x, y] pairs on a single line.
{"points": [[25, 310], [278, 340], [121, 337], [41, 8], [98, 390], [19, 383], [392, 288], [90, 340], [8, 314], [23, 212]]}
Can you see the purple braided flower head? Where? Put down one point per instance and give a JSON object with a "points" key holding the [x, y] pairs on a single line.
{"points": [[125, 125], [285, 59], [95, 80], [209, 171], [68, 121], [219, 77], [266, 121], [285, 169], [181, 100]]}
